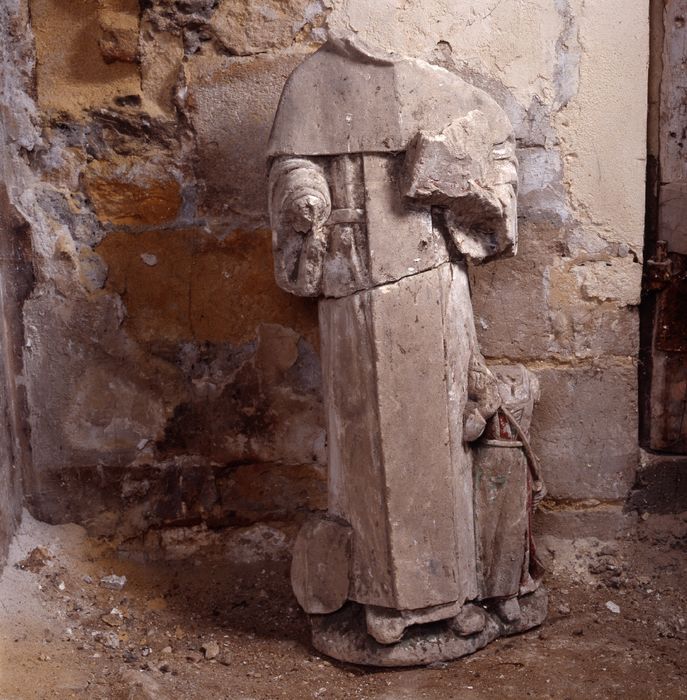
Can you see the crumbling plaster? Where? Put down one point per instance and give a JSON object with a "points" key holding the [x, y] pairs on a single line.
{"points": [[158, 348]]}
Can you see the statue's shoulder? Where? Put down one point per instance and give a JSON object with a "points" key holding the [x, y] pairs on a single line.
{"points": [[348, 97]]}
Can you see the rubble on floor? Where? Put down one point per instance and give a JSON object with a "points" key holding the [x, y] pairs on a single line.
{"points": [[209, 626]]}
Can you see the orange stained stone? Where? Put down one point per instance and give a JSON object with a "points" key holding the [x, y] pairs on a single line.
{"points": [[181, 285]]}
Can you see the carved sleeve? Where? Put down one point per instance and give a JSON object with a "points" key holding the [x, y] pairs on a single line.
{"points": [[300, 203], [470, 171]]}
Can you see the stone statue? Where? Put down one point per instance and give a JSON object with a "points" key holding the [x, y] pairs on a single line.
{"points": [[387, 176]]}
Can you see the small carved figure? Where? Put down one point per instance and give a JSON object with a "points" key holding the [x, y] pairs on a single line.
{"points": [[387, 176]]}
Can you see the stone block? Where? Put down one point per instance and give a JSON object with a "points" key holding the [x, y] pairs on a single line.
{"points": [[118, 25], [152, 273], [541, 191], [71, 72], [261, 492], [127, 501], [618, 280], [605, 521], [592, 307], [231, 103], [585, 431], [257, 402], [127, 193], [186, 284], [244, 28], [510, 302], [161, 56], [233, 290], [93, 395], [540, 304]]}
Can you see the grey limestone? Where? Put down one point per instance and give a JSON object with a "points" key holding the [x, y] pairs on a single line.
{"points": [[389, 176]]}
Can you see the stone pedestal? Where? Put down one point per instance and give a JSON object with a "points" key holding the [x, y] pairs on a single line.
{"points": [[343, 635]]}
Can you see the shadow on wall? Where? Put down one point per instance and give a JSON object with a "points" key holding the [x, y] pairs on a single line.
{"points": [[168, 374], [162, 361], [16, 282]]}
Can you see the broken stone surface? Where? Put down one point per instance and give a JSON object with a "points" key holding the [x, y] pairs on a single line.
{"points": [[386, 176], [113, 582], [80, 69], [244, 28], [475, 178]]}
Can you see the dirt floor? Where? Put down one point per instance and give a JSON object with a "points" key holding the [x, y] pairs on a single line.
{"points": [[222, 623]]}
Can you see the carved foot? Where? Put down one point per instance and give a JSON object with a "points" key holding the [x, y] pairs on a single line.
{"points": [[385, 627], [508, 610], [388, 626], [470, 620]]}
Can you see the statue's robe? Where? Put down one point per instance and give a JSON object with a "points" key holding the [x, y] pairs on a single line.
{"points": [[396, 325]]}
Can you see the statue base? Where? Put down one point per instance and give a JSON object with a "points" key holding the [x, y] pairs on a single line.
{"points": [[343, 635]]}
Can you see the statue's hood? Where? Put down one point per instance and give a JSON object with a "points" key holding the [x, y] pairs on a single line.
{"points": [[350, 98]]}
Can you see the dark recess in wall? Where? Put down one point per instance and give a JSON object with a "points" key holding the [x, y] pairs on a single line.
{"points": [[16, 282]]}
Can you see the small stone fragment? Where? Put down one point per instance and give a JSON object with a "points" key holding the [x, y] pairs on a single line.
{"points": [[225, 659], [210, 649], [141, 686], [613, 607], [37, 558], [564, 609], [113, 582], [114, 618], [107, 639], [609, 550]]}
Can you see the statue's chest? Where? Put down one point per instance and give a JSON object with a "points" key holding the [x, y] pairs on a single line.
{"points": [[375, 236]]}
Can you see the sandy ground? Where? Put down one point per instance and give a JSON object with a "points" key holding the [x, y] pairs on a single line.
{"points": [[64, 635]]}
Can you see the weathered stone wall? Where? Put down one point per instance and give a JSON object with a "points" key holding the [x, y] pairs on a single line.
{"points": [[169, 380], [16, 272]]}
